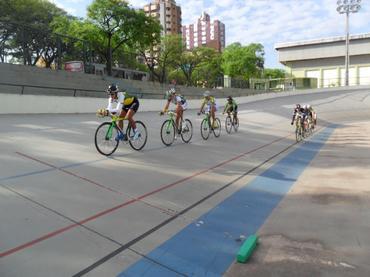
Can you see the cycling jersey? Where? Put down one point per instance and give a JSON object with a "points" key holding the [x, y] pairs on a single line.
{"points": [[123, 99], [210, 101], [231, 106], [177, 99]]}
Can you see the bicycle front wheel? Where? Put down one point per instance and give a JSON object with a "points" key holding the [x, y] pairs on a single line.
{"points": [[187, 131], [298, 134], [168, 132], [236, 124], [137, 143], [205, 129], [217, 128], [105, 141], [228, 124]]}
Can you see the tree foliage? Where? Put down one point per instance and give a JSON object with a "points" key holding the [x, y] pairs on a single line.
{"points": [[243, 61], [274, 73], [117, 24], [27, 34], [162, 58]]}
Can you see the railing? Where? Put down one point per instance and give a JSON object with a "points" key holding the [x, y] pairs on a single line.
{"points": [[75, 91]]}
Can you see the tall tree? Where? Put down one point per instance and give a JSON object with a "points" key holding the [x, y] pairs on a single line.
{"points": [[162, 57], [29, 22], [117, 24], [243, 61], [191, 60]]}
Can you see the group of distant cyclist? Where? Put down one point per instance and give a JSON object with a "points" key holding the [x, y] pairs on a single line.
{"points": [[123, 106], [305, 118]]}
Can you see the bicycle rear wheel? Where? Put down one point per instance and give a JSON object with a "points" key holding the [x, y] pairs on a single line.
{"points": [[168, 132], [228, 124], [205, 129], [187, 131], [139, 143], [217, 129], [105, 136]]}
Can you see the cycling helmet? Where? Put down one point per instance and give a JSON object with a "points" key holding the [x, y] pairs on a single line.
{"points": [[206, 93], [308, 106], [298, 106], [229, 98], [113, 88], [170, 92]]}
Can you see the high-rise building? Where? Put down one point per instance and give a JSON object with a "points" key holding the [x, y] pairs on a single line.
{"points": [[168, 14], [204, 33]]}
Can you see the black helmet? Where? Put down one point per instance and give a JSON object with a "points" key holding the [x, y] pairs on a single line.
{"points": [[229, 98], [112, 88]]}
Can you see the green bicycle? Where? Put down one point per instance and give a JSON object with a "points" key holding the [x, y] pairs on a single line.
{"points": [[106, 133], [169, 129], [206, 128]]}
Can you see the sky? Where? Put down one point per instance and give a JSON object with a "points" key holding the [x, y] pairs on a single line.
{"points": [[261, 21]]}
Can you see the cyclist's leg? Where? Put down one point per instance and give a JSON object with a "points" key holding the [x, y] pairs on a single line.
{"points": [[179, 112], [131, 112], [213, 114], [122, 114]]}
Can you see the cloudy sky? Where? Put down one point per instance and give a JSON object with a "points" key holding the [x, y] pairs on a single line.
{"points": [[264, 21]]}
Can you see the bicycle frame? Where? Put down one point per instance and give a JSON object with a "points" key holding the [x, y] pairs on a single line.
{"points": [[115, 118]]}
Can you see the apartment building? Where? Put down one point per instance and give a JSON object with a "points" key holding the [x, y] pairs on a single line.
{"points": [[204, 33], [168, 14]]}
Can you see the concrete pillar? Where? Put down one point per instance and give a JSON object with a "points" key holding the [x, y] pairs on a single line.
{"points": [[227, 81]]}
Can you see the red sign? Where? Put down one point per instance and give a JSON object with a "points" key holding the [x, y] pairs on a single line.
{"points": [[75, 66]]}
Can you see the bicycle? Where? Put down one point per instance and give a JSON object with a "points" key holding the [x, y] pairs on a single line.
{"points": [[206, 128], [299, 133], [106, 133], [169, 129], [231, 123]]}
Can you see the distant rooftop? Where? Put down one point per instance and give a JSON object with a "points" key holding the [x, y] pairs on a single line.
{"points": [[319, 41]]}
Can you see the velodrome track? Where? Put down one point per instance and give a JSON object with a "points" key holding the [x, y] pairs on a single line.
{"points": [[66, 210]]}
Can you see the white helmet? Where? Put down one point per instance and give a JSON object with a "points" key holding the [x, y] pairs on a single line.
{"points": [[308, 106], [206, 93]]}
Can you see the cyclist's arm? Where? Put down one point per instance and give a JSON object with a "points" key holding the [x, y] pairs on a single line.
{"points": [[167, 105], [118, 107], [226, 107], [202, 106]]}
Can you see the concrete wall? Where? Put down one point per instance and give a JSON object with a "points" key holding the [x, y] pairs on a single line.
{"points": [[28, 104], [64, 83]]}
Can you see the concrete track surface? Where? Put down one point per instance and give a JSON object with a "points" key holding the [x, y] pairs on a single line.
{"points": [[66, 210]]}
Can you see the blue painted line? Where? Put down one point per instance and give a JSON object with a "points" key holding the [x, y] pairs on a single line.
{"points": [[208, 246]]}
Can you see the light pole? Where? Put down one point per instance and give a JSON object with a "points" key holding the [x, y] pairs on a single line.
{"points": [[347, 7]]}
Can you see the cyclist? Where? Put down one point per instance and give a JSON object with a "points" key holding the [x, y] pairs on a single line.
{"points": [[181, 105], [312, 114], [298, 110], [125, 106], [231, 107], [211, 106]]}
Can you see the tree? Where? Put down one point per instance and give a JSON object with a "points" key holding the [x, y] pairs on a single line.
{"points": [[117, 24], [161, 58], [209, 72], [243, 61], [191, 60], [29, 35], [274, 73]]}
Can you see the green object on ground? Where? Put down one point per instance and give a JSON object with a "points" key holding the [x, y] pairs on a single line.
{"points": [[247, 248]]}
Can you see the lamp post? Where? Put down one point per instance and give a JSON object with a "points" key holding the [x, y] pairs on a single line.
{"points": [[347, 7]]}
